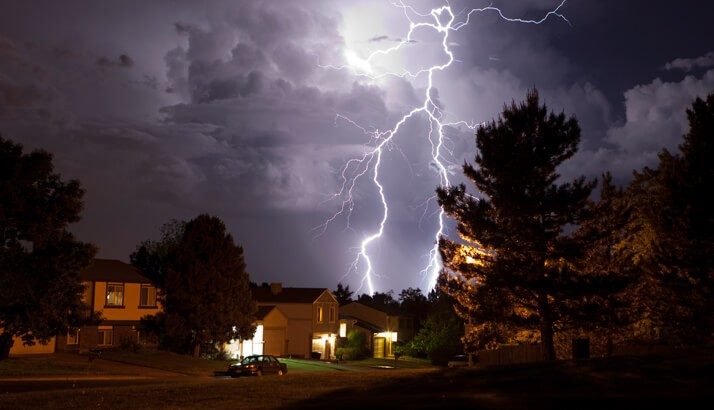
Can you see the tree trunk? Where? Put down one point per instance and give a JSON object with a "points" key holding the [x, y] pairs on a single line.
{"points": [[5, 345], [546, 329]]}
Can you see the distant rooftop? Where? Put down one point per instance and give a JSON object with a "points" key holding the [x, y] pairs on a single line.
{"points": [[112, 270], [278, 294]]}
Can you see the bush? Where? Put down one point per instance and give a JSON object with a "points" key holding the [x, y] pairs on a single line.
{"points": [[349, 353], [129, 344]]}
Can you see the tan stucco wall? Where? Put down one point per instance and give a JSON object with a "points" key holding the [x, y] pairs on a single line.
{"points": [[18, 349], [130, 311], [366, 314]]}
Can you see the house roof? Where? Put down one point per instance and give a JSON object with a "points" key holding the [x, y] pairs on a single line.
{"points": [[111, 270], [263, 311], [363, 324], [287, 295], [390, 310]]}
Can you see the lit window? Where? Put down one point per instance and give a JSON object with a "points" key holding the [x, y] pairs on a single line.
{"points": [[320, 319], [343, 329], [332, 314], [73, 337], [115, 294], [105, 336], [147, 297]]}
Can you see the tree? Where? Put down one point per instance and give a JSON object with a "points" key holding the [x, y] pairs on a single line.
{"points": [[204, 286], [671, 235], [384, 299], [518, 259], [343, 294], [413, 301], [40, 260]]}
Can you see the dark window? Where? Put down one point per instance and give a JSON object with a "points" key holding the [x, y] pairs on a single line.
{"points": [[147, 297]]}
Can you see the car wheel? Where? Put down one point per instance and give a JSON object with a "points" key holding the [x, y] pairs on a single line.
{"points": [[280, 372], [259, 373]]}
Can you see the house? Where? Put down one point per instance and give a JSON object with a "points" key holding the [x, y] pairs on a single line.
{"points": [[383, 325], [310, 323], [121, 295], [270, 337]]}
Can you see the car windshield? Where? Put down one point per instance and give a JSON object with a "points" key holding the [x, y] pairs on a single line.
{"points": [[248, 360]]}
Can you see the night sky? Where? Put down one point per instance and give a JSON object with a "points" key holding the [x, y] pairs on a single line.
{"points": [[167, 109]]}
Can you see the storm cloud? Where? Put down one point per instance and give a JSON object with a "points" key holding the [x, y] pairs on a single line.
{"points": [[167, 109]]}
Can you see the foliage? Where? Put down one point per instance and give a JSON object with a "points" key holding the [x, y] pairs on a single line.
{"points": [[438, 339], [343, 294], [385, 299], [204, 285], [40, 260], [517, 268], [670, 237], [413, 302]]}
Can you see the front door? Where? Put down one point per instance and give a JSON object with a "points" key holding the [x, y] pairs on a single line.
{"points": [[379, 346]]}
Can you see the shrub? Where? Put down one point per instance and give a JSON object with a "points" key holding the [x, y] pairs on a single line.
{"points": [[349, 353]]}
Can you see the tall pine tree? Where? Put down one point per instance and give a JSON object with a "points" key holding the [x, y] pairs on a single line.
{"points": [[525, 271]]}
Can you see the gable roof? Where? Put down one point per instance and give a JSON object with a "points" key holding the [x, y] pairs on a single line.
{"points": [[111, 270], [287, 295], [263, 311], [390, 310]]}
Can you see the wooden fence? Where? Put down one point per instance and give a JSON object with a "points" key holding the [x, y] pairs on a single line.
{"points": [[511, 354]]}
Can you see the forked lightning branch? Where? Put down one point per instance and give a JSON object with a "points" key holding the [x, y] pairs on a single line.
{"points": [[443, 21]]}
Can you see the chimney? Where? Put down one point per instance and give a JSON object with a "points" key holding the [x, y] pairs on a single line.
{"points": [[276, 287]]}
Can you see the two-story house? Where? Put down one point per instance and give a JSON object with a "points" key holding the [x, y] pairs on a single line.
{"points": [[382, 325], [292, 322], [120, 294]]}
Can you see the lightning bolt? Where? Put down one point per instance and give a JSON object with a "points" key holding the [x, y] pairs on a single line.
{"points": [[443, 21]]}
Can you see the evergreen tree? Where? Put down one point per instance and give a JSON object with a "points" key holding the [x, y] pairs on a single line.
{"points": [[343, 294], [204, 286], [40, 260], [671, 236], [525, 271]]}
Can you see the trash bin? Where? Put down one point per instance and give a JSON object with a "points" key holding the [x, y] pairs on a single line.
{"points": [[581, 349]]}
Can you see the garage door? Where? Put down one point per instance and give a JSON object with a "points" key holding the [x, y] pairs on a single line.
{"points": [[274, 342], [379, 346]]}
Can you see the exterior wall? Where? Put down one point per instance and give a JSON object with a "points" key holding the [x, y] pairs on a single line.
{"points": [[325, 326], [19, 349], [366, 313], [275, 333], [131, 309], [299, 337]]}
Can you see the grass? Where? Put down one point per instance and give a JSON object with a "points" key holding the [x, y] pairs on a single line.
{"points": [[402, 363], [51, 364], [676, 379], [163, 360]]}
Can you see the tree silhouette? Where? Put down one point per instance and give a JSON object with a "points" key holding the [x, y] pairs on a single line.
{"points": [[518, 270], [671, 235], [204, 286], [343, 294], [40, 260]]}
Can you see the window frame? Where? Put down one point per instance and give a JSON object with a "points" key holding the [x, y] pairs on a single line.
{"points": [[75, 333], [106, 294], [141, 289], [320, 315], [102, 331], [332, 314]]}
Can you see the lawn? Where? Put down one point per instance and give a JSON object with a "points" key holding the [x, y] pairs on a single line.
{"points": [[50, 364], [674, 380], [163, 360]]}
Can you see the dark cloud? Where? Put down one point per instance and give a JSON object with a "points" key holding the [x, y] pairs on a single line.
{"points": [[123, 61], [226, 110]]}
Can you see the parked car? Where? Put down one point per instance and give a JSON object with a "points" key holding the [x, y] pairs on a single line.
{"points": [[460, 360], [257, 366]]}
